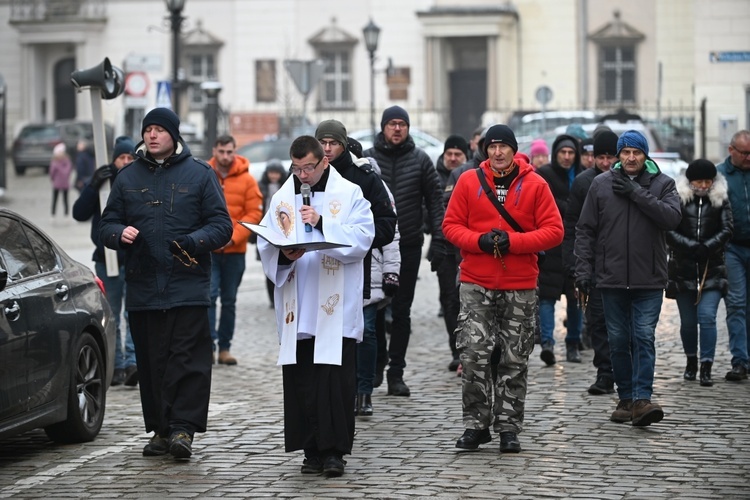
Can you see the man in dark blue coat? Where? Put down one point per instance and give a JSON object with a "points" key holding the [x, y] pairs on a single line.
{"points": [[167, 211]]}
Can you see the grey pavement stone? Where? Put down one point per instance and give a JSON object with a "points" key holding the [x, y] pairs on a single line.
{"points": [[406, 449]]}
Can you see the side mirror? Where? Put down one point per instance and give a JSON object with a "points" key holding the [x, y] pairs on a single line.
{"points": [[3, 279]]}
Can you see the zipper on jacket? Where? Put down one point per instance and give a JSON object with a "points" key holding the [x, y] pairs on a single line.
{"points": [[698, 239], [171, 200]]}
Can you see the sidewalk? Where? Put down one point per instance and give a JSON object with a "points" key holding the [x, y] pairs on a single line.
{"points": [[407, 449]]}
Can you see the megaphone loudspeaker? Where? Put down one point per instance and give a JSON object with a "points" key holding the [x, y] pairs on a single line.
{"points": [[100, 76], [118, 86]]}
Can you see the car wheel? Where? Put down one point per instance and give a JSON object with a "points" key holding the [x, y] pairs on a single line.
{"points": [[20, 170], [86, 396]]}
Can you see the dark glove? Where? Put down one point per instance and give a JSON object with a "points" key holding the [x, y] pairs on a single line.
{"points": [[390, 284], [502, 241], [487, 243], [184, 243], [583, 285], [701, 253], [437, 254], [101, 174], [623, 186]]}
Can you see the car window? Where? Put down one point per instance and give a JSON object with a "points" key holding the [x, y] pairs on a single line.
{"points": [[43, 132], [16, 251], [45, 255]]}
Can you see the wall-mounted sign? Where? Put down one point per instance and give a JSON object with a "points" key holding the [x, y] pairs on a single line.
{"points": [[729, 56]]}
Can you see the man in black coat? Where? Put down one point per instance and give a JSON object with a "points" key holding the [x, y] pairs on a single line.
{"points": [[553, 281], [605, 148], [410, 175]]}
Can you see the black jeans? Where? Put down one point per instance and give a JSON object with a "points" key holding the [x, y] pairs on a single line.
{"points": [[447, 275], [401, 310], [597, 329]]}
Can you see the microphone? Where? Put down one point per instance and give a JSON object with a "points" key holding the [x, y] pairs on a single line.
{"points": [[304, 190]]}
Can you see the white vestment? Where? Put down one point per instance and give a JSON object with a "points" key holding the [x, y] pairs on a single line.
{"points": [[320, 294]]}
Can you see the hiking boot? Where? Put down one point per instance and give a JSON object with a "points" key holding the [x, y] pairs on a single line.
{"points": [[623, 412], [691, 369], [572, 354], [472, 438], [226, 359], [118, 378], [737, 373], [180, 444], [646, 413], [131, 376], [603, 385], [397, 387], [156, 446], [548, 353], [333, 466], [312, 465], [706, 374], [509, 442]]}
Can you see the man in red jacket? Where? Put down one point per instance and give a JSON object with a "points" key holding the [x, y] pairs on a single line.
{"points": [[244, 203], [498, 284]]}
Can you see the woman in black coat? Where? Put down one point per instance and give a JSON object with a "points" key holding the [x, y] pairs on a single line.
{"points": [[697, 274]]}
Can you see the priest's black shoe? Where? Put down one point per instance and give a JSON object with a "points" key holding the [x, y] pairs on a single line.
{"points": [[509, 443], [472, 438]]}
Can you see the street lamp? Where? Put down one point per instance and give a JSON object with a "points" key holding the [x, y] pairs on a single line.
{"points": [[175, 10], [372, 33]]}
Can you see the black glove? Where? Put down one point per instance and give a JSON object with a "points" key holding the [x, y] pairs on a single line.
{"points": [[701, 253], [487, 243], [437, 254], [390, 284], [583, 285], [184, 243], [101, 174], [502, 241], [623, 186]]}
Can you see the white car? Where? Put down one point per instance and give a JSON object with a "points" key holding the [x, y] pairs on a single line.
{"points": [[259, 152], [431, 145]]}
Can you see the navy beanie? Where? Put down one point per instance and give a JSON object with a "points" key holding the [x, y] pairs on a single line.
{"points": [[394, 113], [632, 139], [456, 142], [123, 145], [500, 133], [166, 119], [605, 143]]}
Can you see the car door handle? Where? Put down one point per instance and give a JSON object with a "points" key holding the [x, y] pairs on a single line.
{"points": [[12, 311], [62, 291]]}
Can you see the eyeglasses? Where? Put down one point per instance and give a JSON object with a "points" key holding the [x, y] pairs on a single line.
{"points": [[330, 144], [308, 169], [190, 260], [741, 153], [396, 124]]}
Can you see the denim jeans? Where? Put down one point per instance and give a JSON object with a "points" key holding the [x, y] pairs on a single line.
{"points": [[114, 287], [367, 352], [547, 321], [631, 317], [704, 314], [738, 303], [226, 275]]}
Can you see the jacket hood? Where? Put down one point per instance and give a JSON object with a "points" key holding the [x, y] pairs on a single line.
{"points": [[181, 151], [718, 193], [239, 165], [565, 137]]}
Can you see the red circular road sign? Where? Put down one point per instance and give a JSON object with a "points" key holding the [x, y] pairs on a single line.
{"points": [[136, 84]]}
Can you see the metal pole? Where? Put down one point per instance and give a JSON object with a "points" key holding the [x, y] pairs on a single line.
{"points": [[3, 133], [176, 24], [372, 95]]}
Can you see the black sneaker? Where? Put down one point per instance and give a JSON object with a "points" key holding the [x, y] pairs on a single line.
{"points": [[397, 387], [131, 376], [453, 365], [509, 442], [180, 444], [472, 438], [333, 466], [312, 465], [118, 378], [603, 385], [548, 354], [737, 373], [156, 447]]}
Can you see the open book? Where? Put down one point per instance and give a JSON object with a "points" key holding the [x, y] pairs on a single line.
{"points": [[279, 241]]}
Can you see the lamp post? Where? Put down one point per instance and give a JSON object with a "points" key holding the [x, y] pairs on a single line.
{"points": [[175, 10], [211, 114], [372, 33]]}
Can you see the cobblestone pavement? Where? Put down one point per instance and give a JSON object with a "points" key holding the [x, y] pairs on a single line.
{"points": [[407, 449]]}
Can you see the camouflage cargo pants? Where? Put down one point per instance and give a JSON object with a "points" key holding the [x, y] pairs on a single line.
{"points": [[502, 321]]}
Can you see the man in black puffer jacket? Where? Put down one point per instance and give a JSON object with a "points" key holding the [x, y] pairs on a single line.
{"points": [[413, 180]]}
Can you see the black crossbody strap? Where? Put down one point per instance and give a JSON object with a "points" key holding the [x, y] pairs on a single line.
{"points": [[499, 206]]}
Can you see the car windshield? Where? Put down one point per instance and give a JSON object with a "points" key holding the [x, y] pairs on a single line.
{"points": [[265, 150], [42, 132]]}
